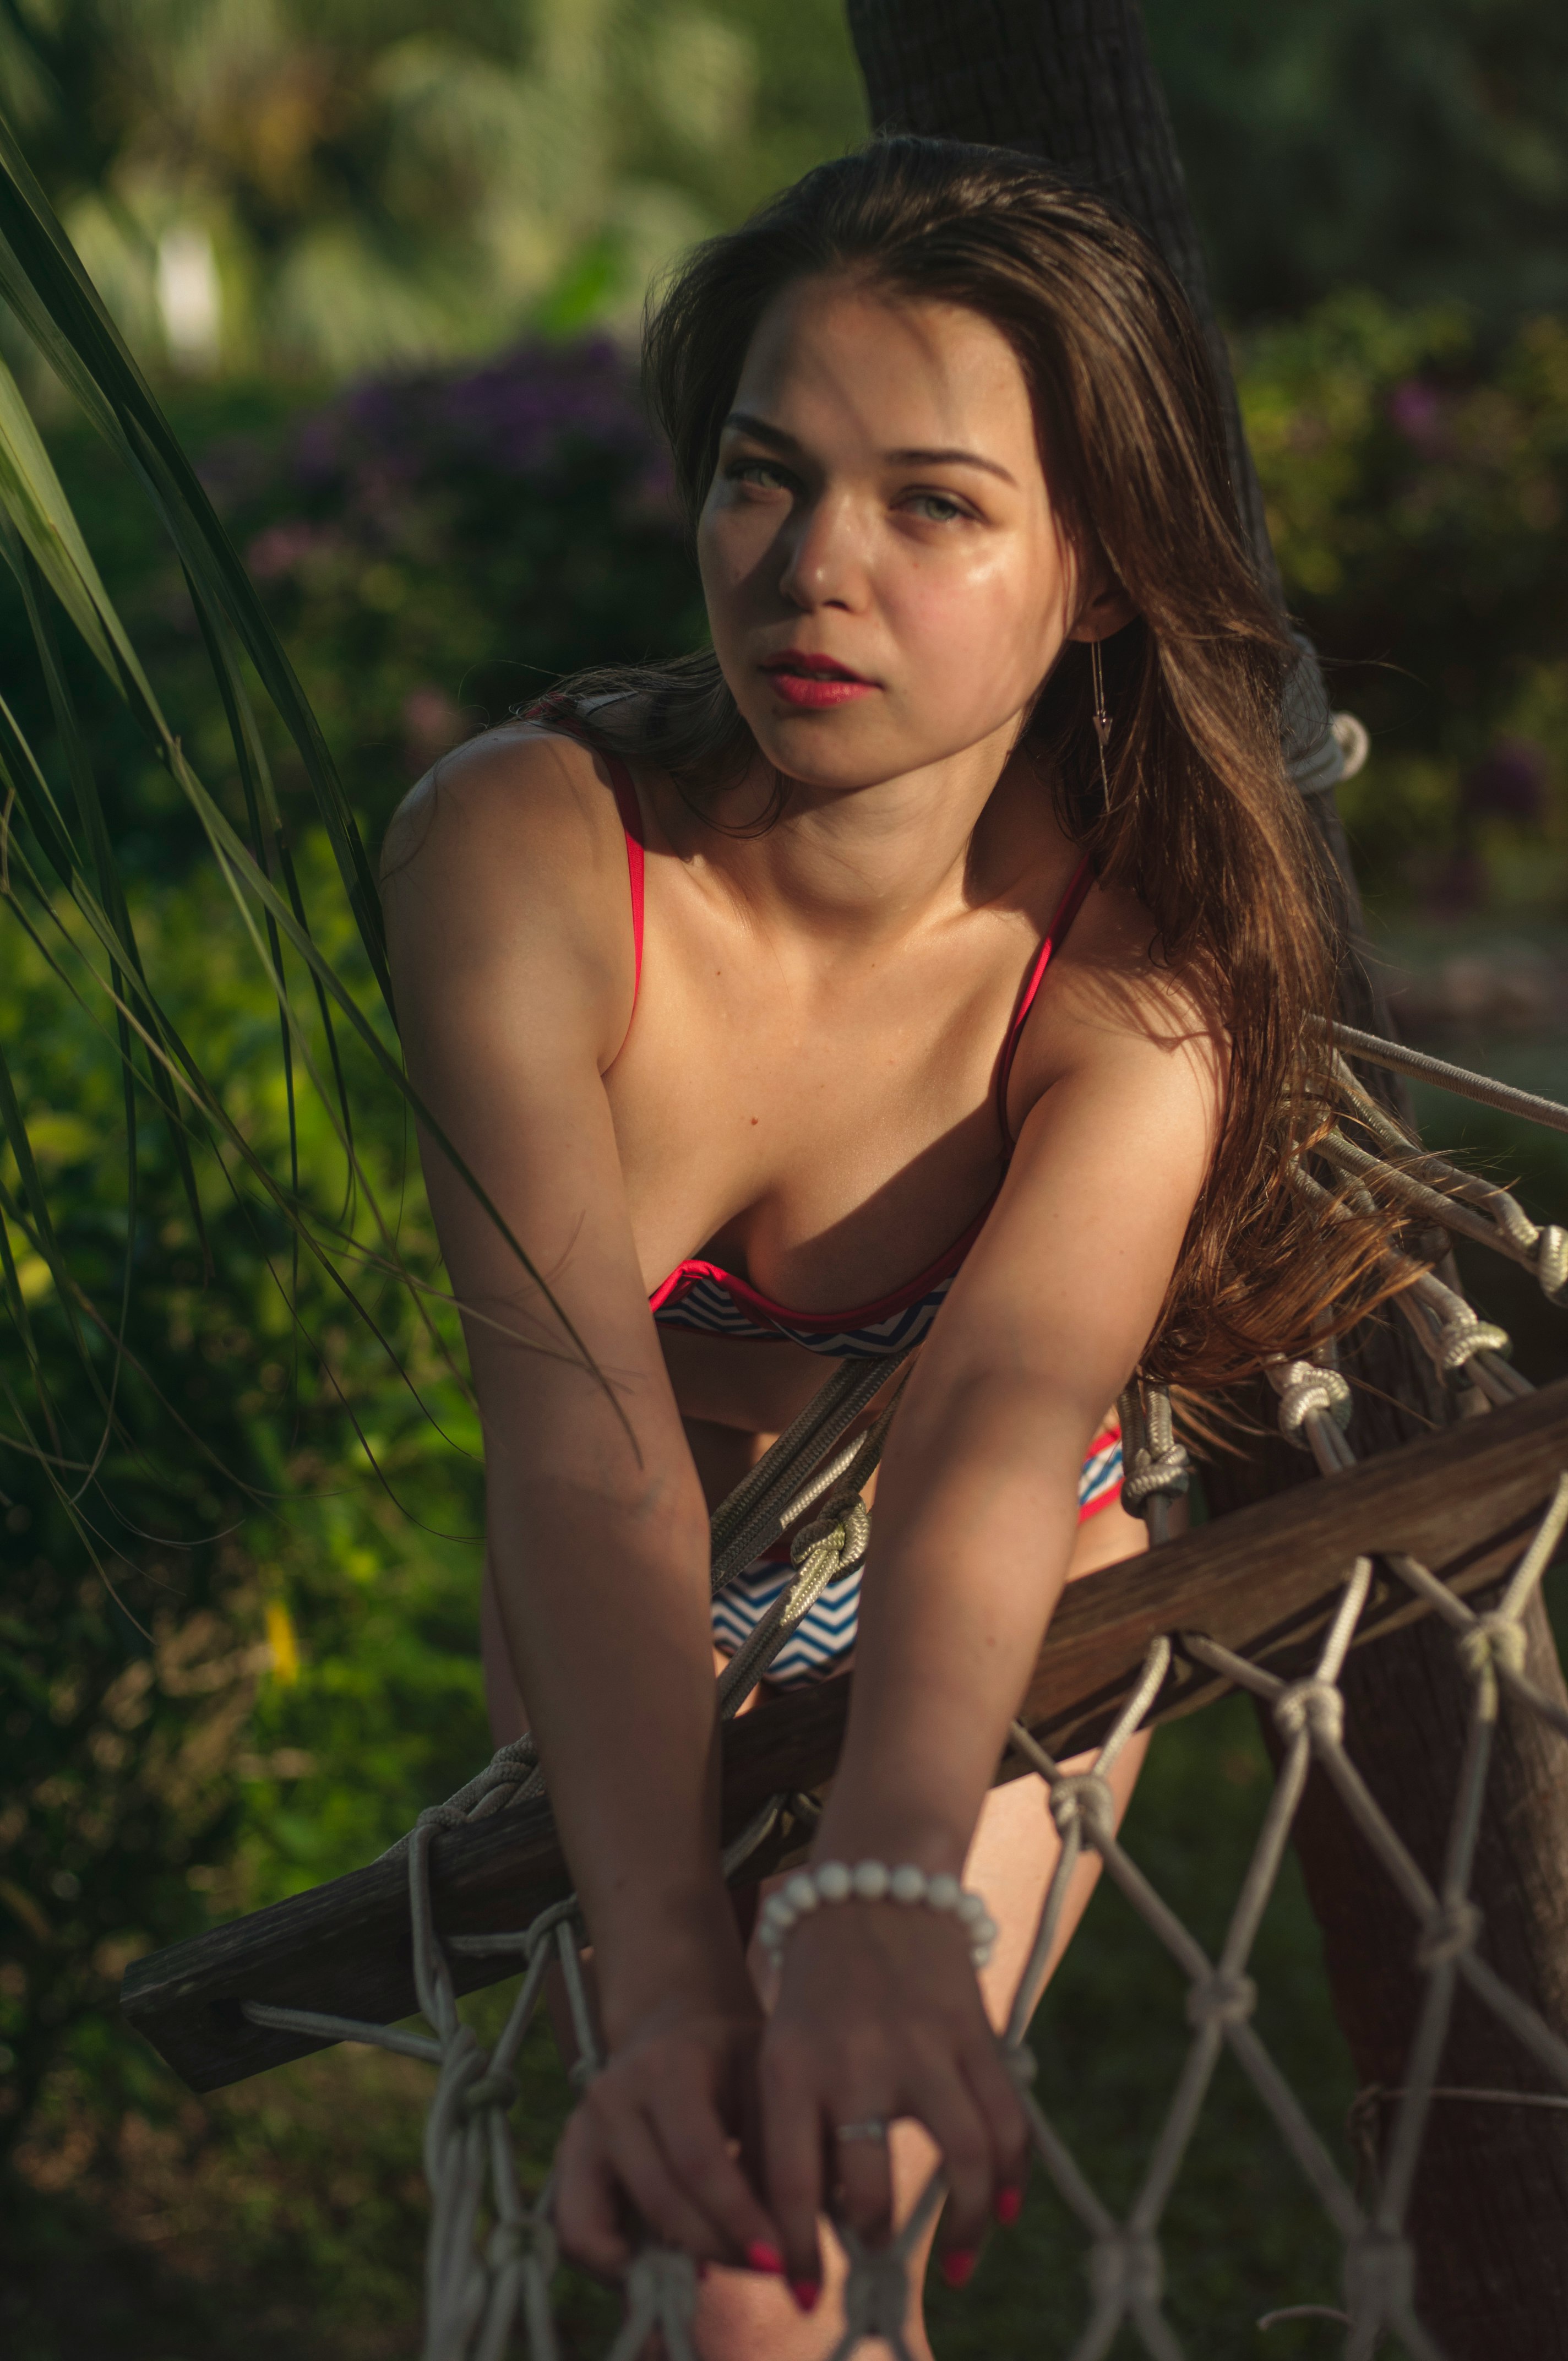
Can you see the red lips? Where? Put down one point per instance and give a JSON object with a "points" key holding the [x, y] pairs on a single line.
{"points": [[812, 682], [802, 660]]}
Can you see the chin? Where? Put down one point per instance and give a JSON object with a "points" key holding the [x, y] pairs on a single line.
{"points": [[825, 758]]}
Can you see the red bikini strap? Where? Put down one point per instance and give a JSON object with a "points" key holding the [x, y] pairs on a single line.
{"points": [[631, 812], [1056, 934]]}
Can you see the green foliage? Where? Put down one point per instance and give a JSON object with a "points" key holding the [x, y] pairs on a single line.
{"points": [[1418, 147], [191, 1579], [436, 549], [1416, 486], [439, 549], [332, 188], [324, 188]]}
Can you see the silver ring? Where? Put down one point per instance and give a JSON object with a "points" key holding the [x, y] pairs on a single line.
{"points": [[874, 2128]]}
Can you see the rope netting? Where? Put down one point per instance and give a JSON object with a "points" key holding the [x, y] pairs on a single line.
{"points": [[492, 2253]]}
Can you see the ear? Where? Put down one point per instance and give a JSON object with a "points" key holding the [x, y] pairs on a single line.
{"points": [[1106, 611]]}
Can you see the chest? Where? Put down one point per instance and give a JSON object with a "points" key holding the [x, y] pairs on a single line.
{"points": [[821, 1121]]}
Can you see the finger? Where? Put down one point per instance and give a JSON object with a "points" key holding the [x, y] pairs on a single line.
{"points": [[643, 2172], [586, 2212], [947, 2106], [862, 2168], [1002, 2110], [700, 2161], [791, 2141]]}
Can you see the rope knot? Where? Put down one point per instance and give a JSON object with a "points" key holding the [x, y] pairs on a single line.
{"points": [[491, 2089], [1461, 1337], [539, 1930], [843, 1526], [441, 1815], [876, 2294], [1451, 1928], [1551, 1262], [1222, 1999], [1379, 2276], [1315, 1705], [1494, 1642], [1021, 2063], [661, 2287], [1125, 2270], [1085, 1802], [1303, 1388], [531, 2238], [1166, 1472]]}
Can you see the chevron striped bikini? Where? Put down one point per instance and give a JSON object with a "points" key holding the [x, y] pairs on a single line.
{"points": [[713, 1302]]}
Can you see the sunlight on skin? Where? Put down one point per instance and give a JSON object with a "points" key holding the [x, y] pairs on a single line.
{"points": [[807, 1097], [946, 583]]}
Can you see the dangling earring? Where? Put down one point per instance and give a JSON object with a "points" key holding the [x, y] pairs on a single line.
{"points": [[1101, 719]]}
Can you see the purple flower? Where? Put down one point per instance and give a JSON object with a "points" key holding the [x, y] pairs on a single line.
{"points": [[1416, 410], [1509, 782], [280, 548]]}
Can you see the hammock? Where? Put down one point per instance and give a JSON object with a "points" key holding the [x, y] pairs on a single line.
{"points": [[1486, 1501]]}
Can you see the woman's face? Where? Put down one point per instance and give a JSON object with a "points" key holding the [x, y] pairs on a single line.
{"points": [[886, 581]]}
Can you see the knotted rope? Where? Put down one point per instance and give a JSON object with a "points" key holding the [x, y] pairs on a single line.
{"points": [[492, 2256]]}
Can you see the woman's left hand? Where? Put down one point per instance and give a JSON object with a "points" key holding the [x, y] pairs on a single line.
{"points": [[880, 2016]]}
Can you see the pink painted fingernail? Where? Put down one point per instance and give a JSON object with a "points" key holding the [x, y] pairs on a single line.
{"points": [[1009, 2205], [958, 2266], [806, 2292], [761, 2257]]}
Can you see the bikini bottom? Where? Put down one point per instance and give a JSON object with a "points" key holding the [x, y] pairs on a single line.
{"points": [[824, 1639]]}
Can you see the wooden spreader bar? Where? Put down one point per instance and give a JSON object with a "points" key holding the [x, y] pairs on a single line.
{"points": [[1259, 1581]]}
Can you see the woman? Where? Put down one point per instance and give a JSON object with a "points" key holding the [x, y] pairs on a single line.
{"points": [[939, 947]]}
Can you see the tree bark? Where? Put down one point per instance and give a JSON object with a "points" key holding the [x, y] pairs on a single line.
{"points": [[1071, 81]]}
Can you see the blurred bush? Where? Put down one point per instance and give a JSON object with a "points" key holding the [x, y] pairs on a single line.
{"points": [[315, 188], [436, 548], [1417, 481], [1417, 147], [243, 1657]]}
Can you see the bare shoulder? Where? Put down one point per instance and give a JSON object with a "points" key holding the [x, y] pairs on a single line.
{"points": [[1117, 1007], [504, 881], [520, 796]]}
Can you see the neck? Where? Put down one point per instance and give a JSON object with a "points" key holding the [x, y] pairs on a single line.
{"points": [[871, 861]]}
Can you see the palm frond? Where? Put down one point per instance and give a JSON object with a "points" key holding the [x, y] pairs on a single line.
{"points": [[60, 881]]}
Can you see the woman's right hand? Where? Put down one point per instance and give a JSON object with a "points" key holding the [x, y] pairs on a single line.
{"points": [[659, 2130]]}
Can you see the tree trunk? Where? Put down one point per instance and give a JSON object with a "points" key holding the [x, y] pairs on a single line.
{"points": [[1071, 81]]}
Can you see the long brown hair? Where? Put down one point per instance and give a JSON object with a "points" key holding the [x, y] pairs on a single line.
{"points": [[1201, 821]]}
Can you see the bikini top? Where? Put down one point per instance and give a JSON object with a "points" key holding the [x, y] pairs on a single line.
{"points": [[716, 1302]]}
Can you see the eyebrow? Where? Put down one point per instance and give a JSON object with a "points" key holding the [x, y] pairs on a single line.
{"points": [[744, 422]]}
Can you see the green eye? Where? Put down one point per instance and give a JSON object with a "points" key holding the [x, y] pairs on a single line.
{"points": [[938, 506]]}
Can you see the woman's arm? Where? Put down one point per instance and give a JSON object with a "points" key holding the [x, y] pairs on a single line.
{"points": [[975, 1521], [506, 898]]}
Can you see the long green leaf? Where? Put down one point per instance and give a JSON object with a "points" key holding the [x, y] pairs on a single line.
{"points": [[42, 278]]}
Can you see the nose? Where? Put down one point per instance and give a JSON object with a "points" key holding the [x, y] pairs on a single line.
{"points": [[824, 562]]}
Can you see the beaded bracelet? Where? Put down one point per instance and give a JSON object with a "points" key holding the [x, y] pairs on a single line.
{"points": [[873, 1881]]}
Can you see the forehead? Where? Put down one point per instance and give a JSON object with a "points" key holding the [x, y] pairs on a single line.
{"points": [[832, 357]]}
